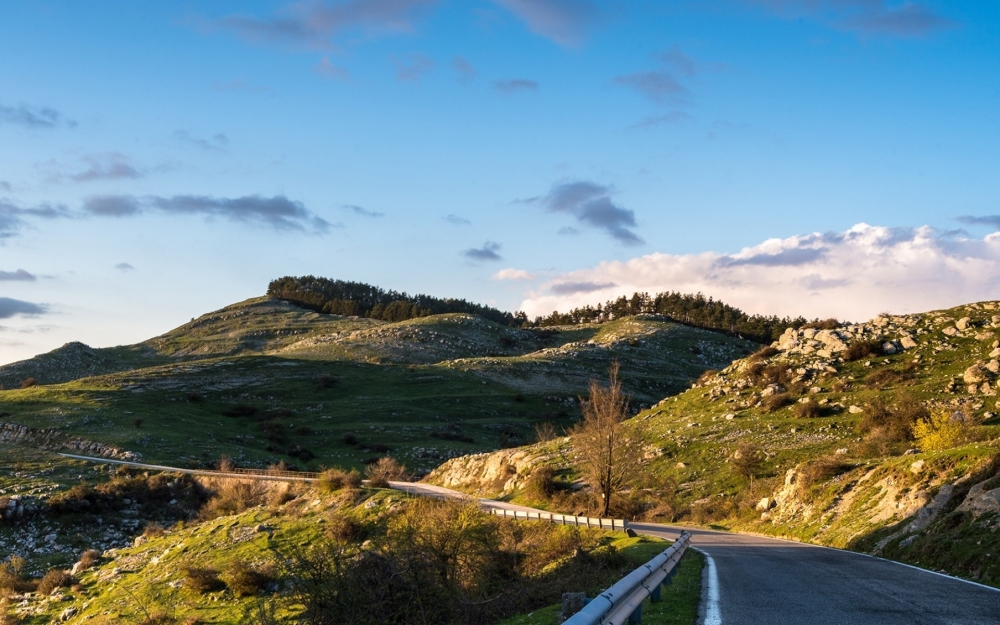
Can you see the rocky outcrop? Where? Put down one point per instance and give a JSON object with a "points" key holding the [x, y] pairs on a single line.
{"points": [[490, 474], [982, 499], [54, 440]]}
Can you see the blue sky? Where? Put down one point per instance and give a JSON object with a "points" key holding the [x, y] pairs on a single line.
{"points": [[159, 160]]}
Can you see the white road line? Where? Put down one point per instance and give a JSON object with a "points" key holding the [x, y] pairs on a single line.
{"points": [[712, 614]]}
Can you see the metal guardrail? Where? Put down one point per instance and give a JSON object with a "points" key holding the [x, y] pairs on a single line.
{"points": [[563, 519], [622, 603], [263, 474]]}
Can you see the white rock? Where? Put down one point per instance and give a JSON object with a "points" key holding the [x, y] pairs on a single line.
{"points": [[917, 466], [908, 342], [854, 409]]}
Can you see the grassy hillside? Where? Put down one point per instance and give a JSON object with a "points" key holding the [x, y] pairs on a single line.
{"points": [[115, 551], [817, 438], [263, 381]]}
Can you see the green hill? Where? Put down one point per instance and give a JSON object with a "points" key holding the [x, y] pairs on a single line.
{"points": [[831, 421], [264, 381]]}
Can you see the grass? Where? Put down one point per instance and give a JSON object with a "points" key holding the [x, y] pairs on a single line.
{"points": [[296, 382], [678, 603], [863, 492]]}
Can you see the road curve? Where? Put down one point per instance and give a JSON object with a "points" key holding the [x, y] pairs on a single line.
{"points": [[768, 581]]}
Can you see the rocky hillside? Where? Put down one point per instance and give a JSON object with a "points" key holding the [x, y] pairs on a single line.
{"points": [[263, 382], [881, 436]]}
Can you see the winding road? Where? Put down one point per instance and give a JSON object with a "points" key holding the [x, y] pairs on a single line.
{"points": [[752, 580]]}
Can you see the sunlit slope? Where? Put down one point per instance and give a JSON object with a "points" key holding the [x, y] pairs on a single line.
{"points": [[263, 381]]}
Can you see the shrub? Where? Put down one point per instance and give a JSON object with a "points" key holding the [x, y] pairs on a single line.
{"points": [[825, 324], [303, 430], [519, 397], [202, 579], [29, 382], [808, 410], [12, 577], [881, 378], [55, 578], [153, 530], [332, 480], [706, 376], [273, 431], [350, 438], [942, 430], [195, 397], [245, 579], [326, 381], [764, 353], [240, 410], [820, 470], [545, 431], [541, 484], [89, 558], [894, 419], [453, 436], [137, 422], [380, 448], [863, 349], [747, 461], [300, 452], [384, 470], [777, 401], [343, 529], [233, 496]]}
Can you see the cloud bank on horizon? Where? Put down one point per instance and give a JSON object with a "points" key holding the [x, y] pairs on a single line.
{"points": [[851, 275]]}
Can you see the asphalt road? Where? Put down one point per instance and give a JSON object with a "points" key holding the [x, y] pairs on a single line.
{"points": [[753, 580], [766, 581]]}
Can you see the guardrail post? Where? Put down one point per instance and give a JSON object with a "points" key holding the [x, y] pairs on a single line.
{"points": [[636, 617], [654, 597]]}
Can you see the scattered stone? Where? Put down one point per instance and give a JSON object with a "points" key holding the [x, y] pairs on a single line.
{"points": [[854, 409], [765, 504], [917, 466]]}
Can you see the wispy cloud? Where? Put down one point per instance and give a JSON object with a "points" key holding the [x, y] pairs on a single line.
{"points": [[670, 117], [106, 166], [10, 307], [659, 86], [327, 69], [571, 288], [515, 85], [112, 206], [455, 219], [17, 276], [316, 23], [591, 204], [12, 216], [33, 117], [361, 210], [992, 221], [864, 17], [853, 274], [489, 251], [216, 143], [412, 67], [276, 212], [466, 72], [565, 22], [511, 274]]}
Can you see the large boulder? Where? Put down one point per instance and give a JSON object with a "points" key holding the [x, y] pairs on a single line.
{"points": [[976, 374]]}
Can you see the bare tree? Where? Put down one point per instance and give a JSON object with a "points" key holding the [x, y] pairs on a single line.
{"points": [[607, 453]]}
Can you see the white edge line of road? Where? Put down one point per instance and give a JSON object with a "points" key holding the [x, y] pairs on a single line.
{"points": [[710, 596], [861, 553]]}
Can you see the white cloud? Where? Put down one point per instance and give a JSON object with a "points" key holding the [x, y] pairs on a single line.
{"points": [[513, 274], [852, 275]]}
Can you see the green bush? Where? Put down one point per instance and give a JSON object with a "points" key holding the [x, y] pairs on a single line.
{"points": [[332, 480], [201, 579], [245, 579]]}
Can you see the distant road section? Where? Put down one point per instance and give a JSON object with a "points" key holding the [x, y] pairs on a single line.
{"points": [[766, 581]]}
